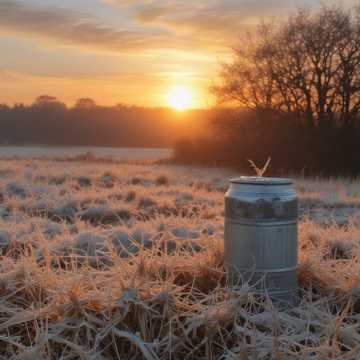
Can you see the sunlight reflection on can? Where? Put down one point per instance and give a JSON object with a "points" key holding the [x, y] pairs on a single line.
{"points": [[261, 236]]}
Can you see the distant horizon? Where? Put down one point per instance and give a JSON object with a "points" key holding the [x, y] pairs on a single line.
{"points": [[72, 104]]}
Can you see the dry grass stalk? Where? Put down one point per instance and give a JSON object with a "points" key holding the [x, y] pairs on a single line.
{"points": [[260, 171]]}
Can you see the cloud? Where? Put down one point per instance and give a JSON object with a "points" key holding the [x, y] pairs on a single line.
{"points": [[208, 24], [214, 16], [68, 27], [146, 24], [151, 12]]}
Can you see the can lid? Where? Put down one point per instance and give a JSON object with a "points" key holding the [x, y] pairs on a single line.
{"points": [[257, 180]]}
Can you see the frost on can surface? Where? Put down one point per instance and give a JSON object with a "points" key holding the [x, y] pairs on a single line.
{"points": [[261, 235]]}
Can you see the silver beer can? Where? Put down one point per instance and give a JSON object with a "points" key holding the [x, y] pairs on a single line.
{"points": [[261, 235]]}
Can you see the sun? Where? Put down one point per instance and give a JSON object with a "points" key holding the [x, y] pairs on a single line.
{"points": [[179, 98]]}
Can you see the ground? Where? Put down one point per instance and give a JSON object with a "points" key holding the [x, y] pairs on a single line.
{"points": [[116, 260]]}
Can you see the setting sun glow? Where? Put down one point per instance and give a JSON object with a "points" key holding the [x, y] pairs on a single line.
{"points": [[179, 98]]}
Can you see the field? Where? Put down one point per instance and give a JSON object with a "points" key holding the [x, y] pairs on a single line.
{"points": [[107, 260]]}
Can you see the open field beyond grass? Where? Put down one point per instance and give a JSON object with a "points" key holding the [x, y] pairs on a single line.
{"points": [[125, 261]]}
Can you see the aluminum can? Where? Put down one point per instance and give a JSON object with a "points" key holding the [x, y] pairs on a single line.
{"points": [[261, 236]]}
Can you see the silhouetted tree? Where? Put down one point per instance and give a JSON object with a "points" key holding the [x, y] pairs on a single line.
{"points": [[48, 121], [308, 66], [46, 101], [85, 103], [294, 93]]}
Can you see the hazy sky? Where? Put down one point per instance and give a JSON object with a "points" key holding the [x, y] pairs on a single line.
{"points": [[122, 51]]}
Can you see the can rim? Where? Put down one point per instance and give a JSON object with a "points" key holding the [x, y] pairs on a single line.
{"points": [[258, 180]]}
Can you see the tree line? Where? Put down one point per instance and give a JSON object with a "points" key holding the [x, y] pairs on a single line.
{"points": [[293, 93], [48, 121]]}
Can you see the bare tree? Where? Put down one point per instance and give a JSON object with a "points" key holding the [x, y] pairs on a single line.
{"points": [[85, 103], [49, 102], [308, 66]]}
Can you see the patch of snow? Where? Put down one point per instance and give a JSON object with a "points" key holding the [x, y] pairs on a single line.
{"points": [[38, 190], [66, 211], [57, 180], [5, 239], [94, 212], [84, 181], [125, 242], [183, 233], [107, 181], [4, 211], [142, 237], [104, 214], [52, 229], [183, 199], [89, 243], [15, 189]]}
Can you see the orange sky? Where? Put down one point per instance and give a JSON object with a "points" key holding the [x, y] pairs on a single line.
{"points": [[122, 51]]}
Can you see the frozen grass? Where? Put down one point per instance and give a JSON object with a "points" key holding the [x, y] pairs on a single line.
{"points": [[124, 261]]}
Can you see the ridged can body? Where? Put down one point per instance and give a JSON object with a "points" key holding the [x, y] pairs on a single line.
{"points": [[261, 235]]}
